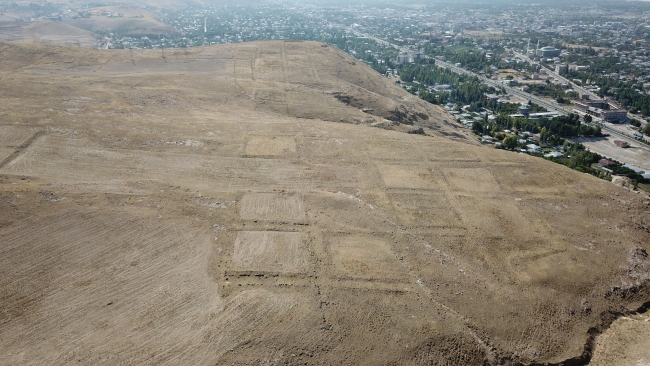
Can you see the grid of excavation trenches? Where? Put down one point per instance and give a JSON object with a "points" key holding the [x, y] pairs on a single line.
{"points": [[223, 206]]}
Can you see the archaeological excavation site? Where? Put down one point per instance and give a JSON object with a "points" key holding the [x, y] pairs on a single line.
{"points": [[263, 203]]}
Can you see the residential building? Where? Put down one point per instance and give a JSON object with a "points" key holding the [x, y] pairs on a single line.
{"points": [[606, 109]]}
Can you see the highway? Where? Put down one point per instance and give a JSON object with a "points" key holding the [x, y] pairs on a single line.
{"points": [[624, 137], [551, 106], [580, 89], [493, 83], [543, 103], [555, 75]]}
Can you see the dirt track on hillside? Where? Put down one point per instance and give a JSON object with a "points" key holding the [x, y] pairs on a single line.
{"points": [[227, 206]]}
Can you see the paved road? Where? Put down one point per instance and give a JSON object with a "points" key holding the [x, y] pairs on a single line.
{"points": [[552, 73], [552, 106], [580, 89], [542, 102], [621, 136], [605, 147]]}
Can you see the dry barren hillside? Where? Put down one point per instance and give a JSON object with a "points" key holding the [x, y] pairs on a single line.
{"points": [[45, 32], [260, 203]]}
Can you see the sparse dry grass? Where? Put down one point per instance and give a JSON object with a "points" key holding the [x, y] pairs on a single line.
{"points": [[231, 208]]}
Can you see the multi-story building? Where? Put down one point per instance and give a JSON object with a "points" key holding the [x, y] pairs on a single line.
{"points": [[548, 52], [606, 109]]}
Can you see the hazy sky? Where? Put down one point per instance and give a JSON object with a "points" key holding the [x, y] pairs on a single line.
{"points": [[482, 2]]}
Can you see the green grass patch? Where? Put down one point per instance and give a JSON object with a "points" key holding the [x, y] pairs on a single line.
{"points": [[462, 49], [644, 186]]}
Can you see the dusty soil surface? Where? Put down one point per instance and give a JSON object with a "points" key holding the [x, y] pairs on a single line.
{"points": [[45, 32], [626, 342], [134, 22], [635, 155], [261, 204]]}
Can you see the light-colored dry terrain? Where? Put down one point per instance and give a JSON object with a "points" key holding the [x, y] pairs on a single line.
{"points": [[45, 32], [605, 146], [625, 343], [134, 22], [26, 26], [260, 203]]}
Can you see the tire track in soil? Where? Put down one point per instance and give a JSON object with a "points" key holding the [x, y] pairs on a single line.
{"points": [[132, 261], [413, 280], [20, 149]]}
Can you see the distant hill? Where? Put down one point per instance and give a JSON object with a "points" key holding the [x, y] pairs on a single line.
{"points": [[126, 26], [46, 32], [163, 4]]}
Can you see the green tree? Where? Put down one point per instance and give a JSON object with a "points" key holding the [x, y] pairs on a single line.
{"points": [[510, 142], [542, 134], [477, 127], [587, 118], [598, 131]]}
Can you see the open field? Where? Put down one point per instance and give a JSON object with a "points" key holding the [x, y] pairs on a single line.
{"points": [[272, 207], [134, 20], [606, 147], [364, 257], [235, 205], [270, 251]]}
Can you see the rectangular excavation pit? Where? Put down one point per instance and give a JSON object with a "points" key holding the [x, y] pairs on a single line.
{"points": [[74, 160], [472, 179], [270, 251], [408, 176], [424, 209], [272, 207], [270, 146], [493, 217], [446, 151], [365, 257], [401, 151]]}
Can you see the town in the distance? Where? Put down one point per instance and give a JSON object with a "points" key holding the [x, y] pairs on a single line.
{"points": [[570, 84]]}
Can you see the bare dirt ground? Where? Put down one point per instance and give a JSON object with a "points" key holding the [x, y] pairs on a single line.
{"points": [[605, 146], [45, 32], [625, 343], [238, 205], [135, 22]]}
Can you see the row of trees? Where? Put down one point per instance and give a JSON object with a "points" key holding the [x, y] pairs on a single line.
{"points": [[568, 126], [554, 91], [471, 60], [430, 74], [511, 108], [623, 91], [552, 131], [465, 89]]}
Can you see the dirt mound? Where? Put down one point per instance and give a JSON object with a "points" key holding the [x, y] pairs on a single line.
{"points": [[209, 207]]}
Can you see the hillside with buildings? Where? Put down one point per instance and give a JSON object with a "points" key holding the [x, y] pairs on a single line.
{"points": [[280, 202]]}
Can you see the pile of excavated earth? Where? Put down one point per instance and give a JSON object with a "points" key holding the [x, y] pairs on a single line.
{"points": [[263, 203]]}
